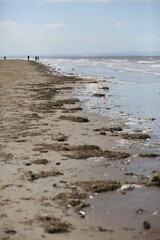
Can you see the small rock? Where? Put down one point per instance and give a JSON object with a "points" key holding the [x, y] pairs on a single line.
{"points": [[58, 163], [40, 161], [98, 95], [101, 229], [155, 179], [27, 164], [82, 214], [105, 88], [10, 231], [146, 225], [140, 211], [102, 133], [135, 136], [149, 155]]}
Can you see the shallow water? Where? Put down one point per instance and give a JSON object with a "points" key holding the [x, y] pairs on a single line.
{"points": [[134, 89], [119, 213]]}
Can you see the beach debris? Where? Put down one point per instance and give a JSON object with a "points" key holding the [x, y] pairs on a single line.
{"points": [[90, 151], [74, 119], [140, 211], [111, 129], [101, 229], [54, 225], [40, 161], [82, 151], [27, 163], [66, 101], [34, 176], [82, 214], [81, 206], [62, 181], [105, 88], [98, 186], [69, 101], [129, 187], [154, 180], [151, 119], [72, 110], [98, 95], [74, 199], [50, 106], [155, 213], [61, 138], [102, 133], [146, 225], [44, 92], [64, 88], [129, 174], [149, 155], [10, 231], [135, 136]]}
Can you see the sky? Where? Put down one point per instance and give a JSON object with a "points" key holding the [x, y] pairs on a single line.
{"points": [[79, 27]]}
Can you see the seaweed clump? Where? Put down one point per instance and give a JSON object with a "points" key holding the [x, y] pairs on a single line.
{"points": [[34, 176], [98, 186], [89, 151], [83, 151], [74, 119], [54, 225], [155, 179], [135, 136]]}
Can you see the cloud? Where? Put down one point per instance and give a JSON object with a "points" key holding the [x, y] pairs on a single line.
{"points": [[9, 26], [53, 38], [11, 33], [56, 25], [119, 24]]}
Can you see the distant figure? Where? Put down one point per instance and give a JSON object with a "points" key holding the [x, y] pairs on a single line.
{"points": [[38, 58], [4, 57], [35, 58], [28, 58]]}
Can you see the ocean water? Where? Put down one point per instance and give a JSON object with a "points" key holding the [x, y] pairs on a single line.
{"points": [[134, 89]]}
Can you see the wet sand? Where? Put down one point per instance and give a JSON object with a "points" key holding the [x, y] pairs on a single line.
{"points": [[64, 173]]}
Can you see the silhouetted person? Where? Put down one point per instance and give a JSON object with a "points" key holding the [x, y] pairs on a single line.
{"points": [[28, 58], [4, 57], [38, 58], [35, 58]]}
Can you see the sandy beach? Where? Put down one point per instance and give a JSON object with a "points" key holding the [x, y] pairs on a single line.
{"points": [[64, 173]]}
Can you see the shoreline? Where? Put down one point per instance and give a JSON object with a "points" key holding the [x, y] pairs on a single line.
{"points": [[57, 161]]}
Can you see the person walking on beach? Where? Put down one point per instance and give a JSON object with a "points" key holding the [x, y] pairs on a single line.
{"points": [[28, 58]]}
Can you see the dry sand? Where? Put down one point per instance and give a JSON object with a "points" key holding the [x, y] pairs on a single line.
{"points": [[63, 172]]}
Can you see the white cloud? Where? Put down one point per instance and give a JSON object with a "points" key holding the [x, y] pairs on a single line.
{"points": [[119, 24], [9, 26], [20, 38], [56, 25], [54, 39]]}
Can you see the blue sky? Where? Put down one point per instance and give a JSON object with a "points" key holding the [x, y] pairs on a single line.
{"points": [[53, 27]]}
